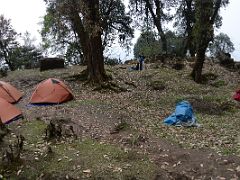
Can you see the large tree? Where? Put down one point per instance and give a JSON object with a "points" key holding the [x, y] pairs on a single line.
{"points": [[221, 43], [147, 44], [26, 55], [207, 13], [89, 31], [8, 41], [153, 13], [59, 33], [84, 18]]}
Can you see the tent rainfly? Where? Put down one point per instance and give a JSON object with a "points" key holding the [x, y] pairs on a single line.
{"points": [[8, 112], [9, 93], [51, 91]]}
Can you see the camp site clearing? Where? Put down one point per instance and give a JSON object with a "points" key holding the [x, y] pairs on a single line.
{"points": [[111, 134]]}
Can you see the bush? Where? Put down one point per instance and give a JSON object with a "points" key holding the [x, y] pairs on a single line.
{"points": [[3, 72], [112, 61]]}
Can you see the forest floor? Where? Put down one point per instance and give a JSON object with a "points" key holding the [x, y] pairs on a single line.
{"points": [[121, 135]]}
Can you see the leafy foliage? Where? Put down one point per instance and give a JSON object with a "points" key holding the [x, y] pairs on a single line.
{"points": [[184, 22], [221, 43], [8, 41], [147, 45], [152, 14], [14, 54], [58, 32], [174, 43], [112, 61], [25, 56]]}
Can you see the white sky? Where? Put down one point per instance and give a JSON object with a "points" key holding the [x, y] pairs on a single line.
{"points": [[231, 25], [25, 15]]}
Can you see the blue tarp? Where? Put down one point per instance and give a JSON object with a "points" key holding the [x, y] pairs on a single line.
{"points": [[183, 115]]}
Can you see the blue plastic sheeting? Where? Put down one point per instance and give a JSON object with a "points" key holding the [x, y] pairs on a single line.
{"points": [[183, 115]]}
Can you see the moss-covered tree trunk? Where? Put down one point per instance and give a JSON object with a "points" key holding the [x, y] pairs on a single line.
{"points": [[89, 32], [203, 30], [198, 66], [206, 14], [95, 59]]}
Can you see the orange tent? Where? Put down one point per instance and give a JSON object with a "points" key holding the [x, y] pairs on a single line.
{"points": [[51, 91], [8, 112], [9, 93]]}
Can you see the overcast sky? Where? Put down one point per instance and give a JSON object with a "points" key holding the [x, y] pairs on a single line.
{"points": [[26, 15]]}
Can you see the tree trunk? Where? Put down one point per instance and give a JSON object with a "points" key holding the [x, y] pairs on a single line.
{"points": [[94, 55], [163, 39], [188, 42], [95, 61], [10, 65], [204, 31], [79, 29], [157, 22], [89, 34], [197, 69]]}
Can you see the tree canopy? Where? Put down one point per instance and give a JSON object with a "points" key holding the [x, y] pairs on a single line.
{"points": [[221, 43], [152, 13], [82, 30], [147, 45], [12, 52], [8, 41], [59, 32], [195, 21]]}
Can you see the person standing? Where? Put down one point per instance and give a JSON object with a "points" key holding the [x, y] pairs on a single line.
{"points": [[141, 61]]}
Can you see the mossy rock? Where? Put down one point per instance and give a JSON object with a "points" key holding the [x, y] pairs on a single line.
{"points": [[157, 85], [219, 83]]}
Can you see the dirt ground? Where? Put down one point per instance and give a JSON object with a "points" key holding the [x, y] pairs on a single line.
{"points": [[132, 119]]}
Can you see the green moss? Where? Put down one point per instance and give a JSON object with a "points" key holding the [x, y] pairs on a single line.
{"points": [[157, 85], [73, 157], [33, 130], [219, 83]]}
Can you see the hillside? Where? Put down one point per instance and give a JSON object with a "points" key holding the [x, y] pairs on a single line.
{"points": [[120, 135]]}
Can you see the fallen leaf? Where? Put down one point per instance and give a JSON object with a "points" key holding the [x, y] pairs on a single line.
{"points": [[19, 171], [238, 169], [117, 169], [87, 171], [221, 178]]}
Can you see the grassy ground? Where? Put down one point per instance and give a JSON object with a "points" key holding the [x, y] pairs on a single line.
{"points": [[138, 149], [74, 158]]}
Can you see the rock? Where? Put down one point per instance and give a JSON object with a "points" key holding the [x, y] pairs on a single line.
{"points": [[51, 63]]}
